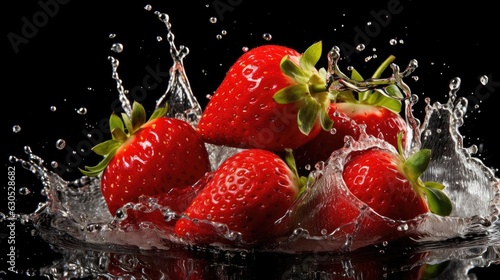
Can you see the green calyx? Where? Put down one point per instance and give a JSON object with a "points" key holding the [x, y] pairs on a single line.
{"points": [[302, 181], [413, 167], [121, 130], [373, 97], [310, 89]]}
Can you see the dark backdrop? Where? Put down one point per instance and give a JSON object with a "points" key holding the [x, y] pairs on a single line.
{"points": [[55, 54]]}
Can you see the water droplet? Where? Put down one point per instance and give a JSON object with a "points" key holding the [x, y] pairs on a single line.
{"points": [[267, 36], [2, 217], [112, 35], [224, 32], [369, 23], [401, 41], [54, 164], [159, 38], [60, 144], [16, 128], [403, 227], [244, 49], [393, 42], [415, 78], [117, 47], [148, 7], [82, 111], [213, 19], [53, 108], [360, 47], [24, 191], [483, 80], [218, 36]]}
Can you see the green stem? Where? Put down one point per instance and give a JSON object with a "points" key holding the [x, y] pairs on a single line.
{"points": [[383, 66]]}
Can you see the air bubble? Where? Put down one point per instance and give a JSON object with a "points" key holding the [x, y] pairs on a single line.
{"points": [[267, 36], [483, 80], [60, 144], [24, 191], [82, 111], [16, 128], [117, 47]]}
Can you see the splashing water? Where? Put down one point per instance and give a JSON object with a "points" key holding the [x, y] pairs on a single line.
{"points": [[75, 212]]}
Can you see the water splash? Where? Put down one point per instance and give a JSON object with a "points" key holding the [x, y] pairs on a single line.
{"points": [[75, 215]]}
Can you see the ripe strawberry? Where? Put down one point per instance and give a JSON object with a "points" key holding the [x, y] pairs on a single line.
{"points": [[248, 193], [150, 159], [383, 180], [248, 108], [377, 112]]}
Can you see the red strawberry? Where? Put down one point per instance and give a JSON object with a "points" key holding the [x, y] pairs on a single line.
{"points": [[378, 113], [150, 159], [248, 193], [248, 108], [383, 180]]}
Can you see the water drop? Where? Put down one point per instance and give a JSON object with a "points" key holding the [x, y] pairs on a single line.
{"points": [[163, 17], [159, 38], [244, 49], [267, 36], [24, 191], [401, 41], [483, 80], [360, 47], [2, 217], [54, 164], [224, 32], [60, 144], [393, 42], [112, 35], [117, 47], [415, 78], [218, 36], [403, 227], [16, 128], [369, 23], [148, 7], [82, 111], [53, 108], [213, 19]]}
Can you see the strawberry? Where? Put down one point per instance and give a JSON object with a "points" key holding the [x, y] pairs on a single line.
{"points": [[385, 181], [379, 114], [149, 159], [248, 194], [271, 98]]}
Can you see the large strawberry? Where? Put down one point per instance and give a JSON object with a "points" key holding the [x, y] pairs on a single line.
{"points": [[272, 98], [387, 183], [148, 158], [246, 197], [378, 113]]}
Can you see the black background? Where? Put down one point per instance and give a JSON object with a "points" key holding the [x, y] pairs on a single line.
{"points": [[56, 55]]}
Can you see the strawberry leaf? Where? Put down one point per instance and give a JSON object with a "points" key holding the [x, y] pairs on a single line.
{"points": [[439, 203], [291, 94], [307, 115], [138, 116], [311, 56], [416, 164], [158, 113], [128, 123], [326, 122], [119, 135], [96, 170], [292, 70], [106, 147], [115, 122]]}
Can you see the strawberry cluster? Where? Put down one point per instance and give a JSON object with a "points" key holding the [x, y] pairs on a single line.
{"points": [[283, 115]]}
